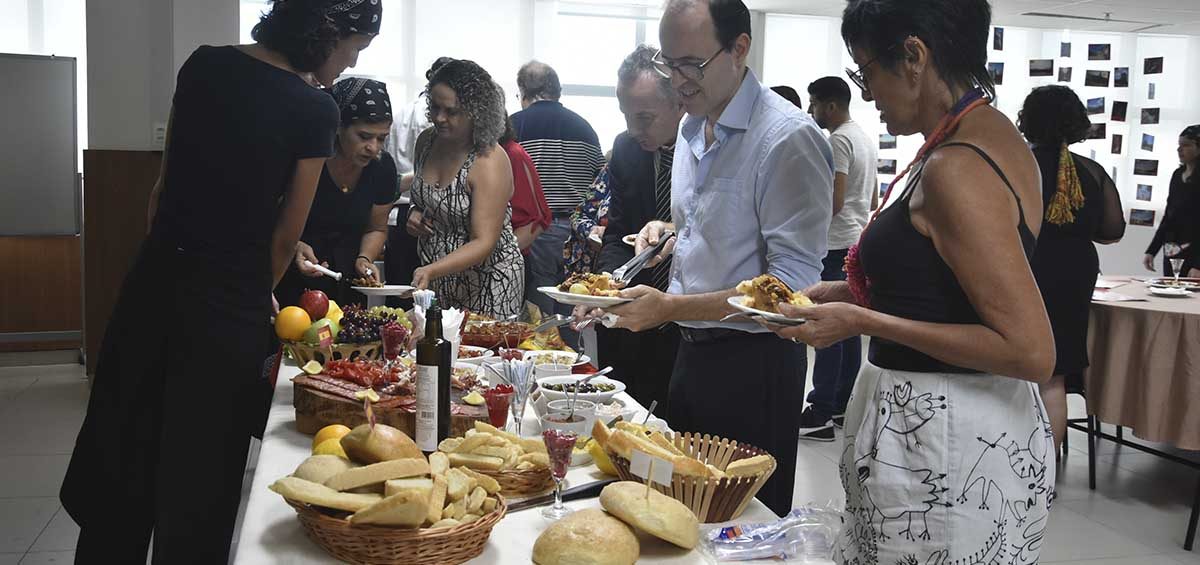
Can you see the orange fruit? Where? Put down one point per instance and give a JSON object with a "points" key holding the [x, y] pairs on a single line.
{"points": [[335, 431], [291, 323]]}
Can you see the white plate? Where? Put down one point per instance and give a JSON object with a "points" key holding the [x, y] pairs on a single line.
{"points": [[1169, 282], [736, 302], [385, 290], [582, 299], [560, 357], [1170, 292], [487, 357], [630, 240]]}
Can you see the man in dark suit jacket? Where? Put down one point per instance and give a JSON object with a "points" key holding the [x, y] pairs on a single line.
{"points": [[639, 177]]}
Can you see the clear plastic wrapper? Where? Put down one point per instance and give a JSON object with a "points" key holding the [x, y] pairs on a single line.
{"points": [[805, 534]]}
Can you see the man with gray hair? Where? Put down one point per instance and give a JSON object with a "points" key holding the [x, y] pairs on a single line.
{"points": [[638, 178], [566, 152]]}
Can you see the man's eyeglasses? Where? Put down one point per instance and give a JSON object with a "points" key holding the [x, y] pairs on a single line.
{"points": [[690, 71], [858, 77]]}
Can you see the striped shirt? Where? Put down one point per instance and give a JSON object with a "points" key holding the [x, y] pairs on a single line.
{"points": [[563, 147]]}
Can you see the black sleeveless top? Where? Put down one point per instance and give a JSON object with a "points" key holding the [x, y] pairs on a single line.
{"points": [[909, 279]]}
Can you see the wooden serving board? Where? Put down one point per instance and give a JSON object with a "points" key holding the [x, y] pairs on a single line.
{"points": [[316, 409]]}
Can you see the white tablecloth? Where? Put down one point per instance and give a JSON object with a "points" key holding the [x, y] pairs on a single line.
{"points": [[271, 533]]}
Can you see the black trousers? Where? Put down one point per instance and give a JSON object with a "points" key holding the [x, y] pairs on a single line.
{"points": [[400, 257], [162, 449], [643, 361], [750, 388]]}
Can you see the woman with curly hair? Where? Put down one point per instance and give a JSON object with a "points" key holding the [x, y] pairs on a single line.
{"points": [[461, 187], [178, 387], [1082, 206]]}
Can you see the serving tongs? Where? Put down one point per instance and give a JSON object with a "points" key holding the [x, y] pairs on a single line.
{"points": [[626, 272]]}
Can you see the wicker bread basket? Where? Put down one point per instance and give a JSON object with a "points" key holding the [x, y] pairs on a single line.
{"points": [[303, 353], [711, 500], [515, 483], [384, 545]]}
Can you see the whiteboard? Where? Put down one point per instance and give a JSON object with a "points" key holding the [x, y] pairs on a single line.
{"points": [[39, 181]]}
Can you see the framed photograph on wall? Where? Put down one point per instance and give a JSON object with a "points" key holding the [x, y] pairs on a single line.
{"points": [[997, 72], [887, 166], [1064, 49], [882, 189], [1149, 116], [1117, 141], [1145, 192], [1150, 92], [1096, 78], [1121, 77], [887, 141], [998, 39], [1095, 106], [1099, 52], [1064, 74], [1098, 131], [1041, 67], [1141, 217], [1152, 66], [1147, 142], [1120, 109], [1145, 167]]}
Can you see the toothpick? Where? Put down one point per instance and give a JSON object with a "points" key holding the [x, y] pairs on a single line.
{"points": [[649, 479]]}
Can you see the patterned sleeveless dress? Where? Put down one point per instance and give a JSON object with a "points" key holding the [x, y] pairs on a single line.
{"points": [[494, 288]]}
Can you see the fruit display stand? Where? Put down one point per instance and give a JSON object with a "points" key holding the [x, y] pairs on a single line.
{"points": [[270, 532]]}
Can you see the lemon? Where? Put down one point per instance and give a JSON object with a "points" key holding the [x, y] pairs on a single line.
{"points": [[291, 323], [331, 446], [334, 431], [312, 367], [601, 459], [474, 399], [334, 313]]}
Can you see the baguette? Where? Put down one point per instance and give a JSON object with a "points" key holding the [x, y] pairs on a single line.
{"points": [[624, 444], [476, 461], [317, 494], [600, 433], [378, 473], [750, 466]]}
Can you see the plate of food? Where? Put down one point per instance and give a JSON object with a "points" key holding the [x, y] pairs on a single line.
{"points": [[587, 289], [600, 390], [383, 289], [1170, 291], [761, 295], [475, 355], [547, 357], [1192, 284]]}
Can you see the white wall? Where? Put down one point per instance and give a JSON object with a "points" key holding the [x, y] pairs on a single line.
{"points": [[800, 49], [135, 49]]}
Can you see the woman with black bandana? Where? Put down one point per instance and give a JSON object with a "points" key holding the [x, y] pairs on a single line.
{"points": [[163, 447], [347, 226]]}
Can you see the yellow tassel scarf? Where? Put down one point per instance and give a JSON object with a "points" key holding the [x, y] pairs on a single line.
{"points": [[1069, 196]]}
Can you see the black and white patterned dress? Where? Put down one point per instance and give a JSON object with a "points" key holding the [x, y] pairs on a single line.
{"points": [[495, 287]]}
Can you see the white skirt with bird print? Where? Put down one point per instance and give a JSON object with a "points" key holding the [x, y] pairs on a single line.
{"points": [[945, 469]]}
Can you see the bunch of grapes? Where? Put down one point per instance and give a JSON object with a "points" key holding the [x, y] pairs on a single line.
{"points": [[398, 314], [361, 326]]}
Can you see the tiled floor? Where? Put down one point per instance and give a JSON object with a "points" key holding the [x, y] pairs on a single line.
{"points": [[1137, 515]]}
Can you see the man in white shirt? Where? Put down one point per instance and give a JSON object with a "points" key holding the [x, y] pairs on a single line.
{"points": [[855, 194]]}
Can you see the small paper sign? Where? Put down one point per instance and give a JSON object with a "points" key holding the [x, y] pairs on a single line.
{"points": [[325, 336], [651, 468]]}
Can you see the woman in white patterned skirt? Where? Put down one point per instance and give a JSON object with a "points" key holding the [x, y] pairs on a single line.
{"points": [[460, 193], [948, 456]]}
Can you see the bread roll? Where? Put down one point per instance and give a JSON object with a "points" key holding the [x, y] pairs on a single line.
{"points": [[309, 492], [750, 466], [319, 468], [587, 537], [658, 514], [378, 473], [383, 443]]}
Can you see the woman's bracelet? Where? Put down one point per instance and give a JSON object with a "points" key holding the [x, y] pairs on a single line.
{"points": [[365, 257]]}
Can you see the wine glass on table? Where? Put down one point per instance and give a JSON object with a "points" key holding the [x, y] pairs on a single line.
{"points": [[394, 337], [1176, 266], [559, 443]]}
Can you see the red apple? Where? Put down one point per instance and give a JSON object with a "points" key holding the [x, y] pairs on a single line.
{"points": [[315, 303]]}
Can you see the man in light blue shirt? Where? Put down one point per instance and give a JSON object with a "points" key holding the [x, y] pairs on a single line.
{"points": [[752, 189]]}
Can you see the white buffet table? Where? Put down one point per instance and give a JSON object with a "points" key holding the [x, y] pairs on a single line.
{"points": [[271, 533]]}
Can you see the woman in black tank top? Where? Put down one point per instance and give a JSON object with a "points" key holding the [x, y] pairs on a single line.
{"points": [[948, 448]]}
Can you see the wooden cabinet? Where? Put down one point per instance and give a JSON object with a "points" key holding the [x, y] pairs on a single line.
{"points": [[116, 190]]}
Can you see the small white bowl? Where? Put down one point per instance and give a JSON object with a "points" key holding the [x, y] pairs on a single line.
{"points": [[550, 370], [585, 416], [597, 397]]}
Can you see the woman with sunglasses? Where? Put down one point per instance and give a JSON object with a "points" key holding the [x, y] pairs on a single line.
{"points": [[948, 455]]}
